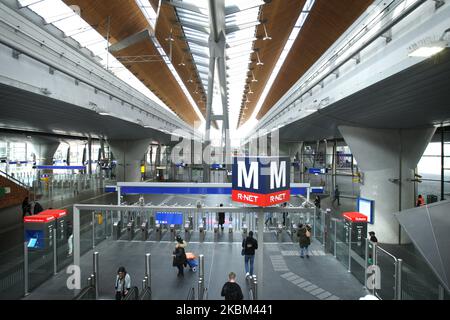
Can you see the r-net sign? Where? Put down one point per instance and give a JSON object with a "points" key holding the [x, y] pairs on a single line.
{"points": [[261, 181]]}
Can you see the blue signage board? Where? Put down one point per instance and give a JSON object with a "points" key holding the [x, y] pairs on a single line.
{"points": [[35, 239], [60, 167], [317, 170]]}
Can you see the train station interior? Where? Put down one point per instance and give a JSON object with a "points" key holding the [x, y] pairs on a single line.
{"points": [[163, 149]]}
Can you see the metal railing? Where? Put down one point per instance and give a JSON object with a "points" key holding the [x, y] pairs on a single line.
{"points": [[133, 294], [191, 294], [13, 179]]}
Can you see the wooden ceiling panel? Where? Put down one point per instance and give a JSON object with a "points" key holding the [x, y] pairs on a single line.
{"points": [[167, 22], [126, 19], [327, 21], [280, 18]]}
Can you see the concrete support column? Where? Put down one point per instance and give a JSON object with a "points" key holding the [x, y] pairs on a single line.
{"points": [[129, 154], [45, 150], [89, 156], [387, 158]]}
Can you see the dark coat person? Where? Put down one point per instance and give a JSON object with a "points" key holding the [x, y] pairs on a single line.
{"points": [[179, 260], [221, 217], [26, 207], [303, 240], [37, 208], [231, 290]]}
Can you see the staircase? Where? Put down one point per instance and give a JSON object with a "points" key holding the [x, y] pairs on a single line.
{"points": [[17, 191]]}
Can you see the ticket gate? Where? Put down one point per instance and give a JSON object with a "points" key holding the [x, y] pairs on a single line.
{"points": [[158, 231], [144, 230], [117, 230], [130, 230]]}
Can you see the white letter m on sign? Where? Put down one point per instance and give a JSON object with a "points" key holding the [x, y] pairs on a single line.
{"points": [[277, 177], [251, 175]]}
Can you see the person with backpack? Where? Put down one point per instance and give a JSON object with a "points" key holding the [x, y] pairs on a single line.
{"points": [[231, 290], [123, 283], [304, 239], [249, 245], [179, 258]]}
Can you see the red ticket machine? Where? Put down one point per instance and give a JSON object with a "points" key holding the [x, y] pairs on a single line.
{"points": [[60, 223], [356, 230]]}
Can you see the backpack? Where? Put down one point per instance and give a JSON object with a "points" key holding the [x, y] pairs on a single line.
{"points": [[307, 233]]}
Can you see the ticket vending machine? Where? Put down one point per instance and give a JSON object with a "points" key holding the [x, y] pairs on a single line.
{"points": [[356, 231], [38, 232], [60, 223]]}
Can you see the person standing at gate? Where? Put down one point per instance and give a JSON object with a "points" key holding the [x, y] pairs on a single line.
{"points": [[249, 245], [221, 217]]}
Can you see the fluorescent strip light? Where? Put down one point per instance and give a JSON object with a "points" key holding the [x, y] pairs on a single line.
{"points": [[428, 51]]}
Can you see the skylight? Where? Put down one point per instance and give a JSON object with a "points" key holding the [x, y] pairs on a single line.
{"points": [[64, 18]]}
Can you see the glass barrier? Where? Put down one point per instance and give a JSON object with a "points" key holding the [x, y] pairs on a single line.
{"points": [[418, 284], [342, 240], [12, 273], [386, 264], [40, 262], [358, 260]]}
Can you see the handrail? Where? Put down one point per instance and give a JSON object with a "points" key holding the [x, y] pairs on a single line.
{"points": [[133, 294], [384, 251], [191, 294], [146, 294], [86, 291], [20, 183]]}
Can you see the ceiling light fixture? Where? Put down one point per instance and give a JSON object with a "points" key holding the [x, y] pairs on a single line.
{"points": [[254, 79], [259, 63], [182, 62], [266, 36], [431, 48]]}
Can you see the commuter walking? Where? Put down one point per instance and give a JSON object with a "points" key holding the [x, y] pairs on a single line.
{"points": [[317, 202], [231, 290], [221, 217], [336, 195], [179, 258], [304, 238], [249, 245], [285, 214], [420, 201], [26, 207], [268, 218], [123, 283]]}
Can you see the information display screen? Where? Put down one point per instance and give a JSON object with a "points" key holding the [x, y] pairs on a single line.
{"points": [[365, 206], [169, 217], [35, 239]]}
